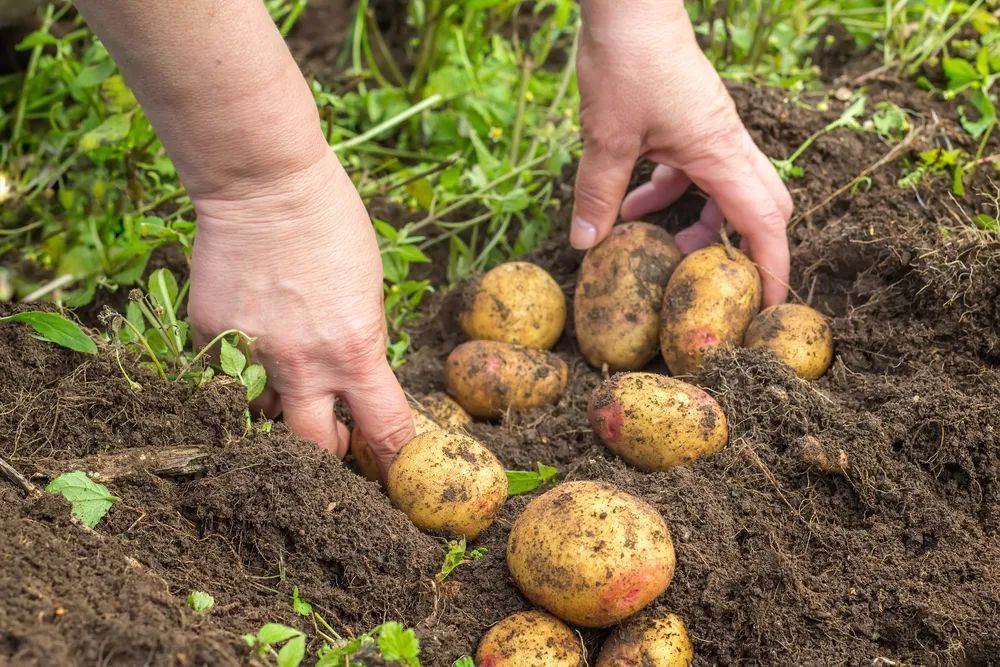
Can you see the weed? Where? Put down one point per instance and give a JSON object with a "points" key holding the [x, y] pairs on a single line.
{"points": [[523, 481], [301, 607], [89, 500], [54, 328], [200, 601], [849, 118], [265, 643], [456, 555]]}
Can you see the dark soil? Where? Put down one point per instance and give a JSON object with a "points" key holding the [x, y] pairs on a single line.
{"points": [[896, 558]]}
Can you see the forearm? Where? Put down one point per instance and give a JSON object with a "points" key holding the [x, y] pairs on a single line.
{"points": [[605, 21], [218, 85]]}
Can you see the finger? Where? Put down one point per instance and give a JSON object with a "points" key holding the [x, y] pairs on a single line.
{"points": [[772, 181], [601, 181], [312, 418], [381, 411], [702, 233], [664, 187], [267, 404]]}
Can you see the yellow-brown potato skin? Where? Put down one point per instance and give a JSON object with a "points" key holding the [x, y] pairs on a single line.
{"points": [[655, 422], [487, 377], [797, 334], [445, 412], [530, 639], [447, 484], [590, 554], [709, 302], [515, 302], [619, 293], [364, 457], [648, 640]]}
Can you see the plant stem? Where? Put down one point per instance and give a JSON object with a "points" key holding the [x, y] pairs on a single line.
{"points": [[22, 102], [389, 123], [515, 140], [149, 351]]}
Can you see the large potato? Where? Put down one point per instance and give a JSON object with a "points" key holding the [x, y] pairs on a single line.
{"points": [[655, 422], [709, 301], [362, 452], [590, 553], [530, 639], [798, 335], [516, 302], [447, 484], [445, 412], [619, 293], [650, 640], [487, 377]]}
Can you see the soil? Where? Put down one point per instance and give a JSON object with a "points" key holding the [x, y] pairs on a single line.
{"points": [[890, 557]]}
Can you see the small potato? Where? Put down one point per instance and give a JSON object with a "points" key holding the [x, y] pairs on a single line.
{"points": [[709, 301], [798, 335], [650, 640], [516, 302], [445, 412], [619, 293], [487, 377], [655, 422], [590, 553], [447, 484], [362, 452], [530, 639]]}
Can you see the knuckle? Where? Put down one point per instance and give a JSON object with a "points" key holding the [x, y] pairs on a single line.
{"points": [[361, 344], [772, 221], [610, 141]]}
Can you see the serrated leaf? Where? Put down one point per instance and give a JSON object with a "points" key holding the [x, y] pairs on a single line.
{"points": [[200, 601], [301, 607], [399, 644], [292, 652], [90, 501], [231, 359], [275, 633], [255, 379], [55, 328]]}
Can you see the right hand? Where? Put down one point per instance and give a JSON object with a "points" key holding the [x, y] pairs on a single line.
{"points": [[295, 263]]}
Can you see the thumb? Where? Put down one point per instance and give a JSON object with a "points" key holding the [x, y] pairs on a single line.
{"points": [[601, 181], [381, 411]]}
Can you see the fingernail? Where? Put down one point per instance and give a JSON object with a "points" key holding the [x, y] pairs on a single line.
{"points": [[582, 235]]}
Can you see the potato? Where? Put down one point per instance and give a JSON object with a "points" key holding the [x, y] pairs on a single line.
{"points": [[655, 422], [619, 293], [447, 484], [650, 640], [798, 335], [362, 452], [709, 301], [445, 412], [516, 302], [487, 377], [590, 553], [530, 639]]}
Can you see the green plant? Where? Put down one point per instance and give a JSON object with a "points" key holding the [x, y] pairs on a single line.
{"points": [[265, 643], [390, 641], [456, 555], [523, 481], [54, 328], [849, 118], [464, 661], [200, 601], [301, 607], [89, 500]]}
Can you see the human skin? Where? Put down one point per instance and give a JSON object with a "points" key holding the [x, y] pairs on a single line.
{"points": [[285, 250]]}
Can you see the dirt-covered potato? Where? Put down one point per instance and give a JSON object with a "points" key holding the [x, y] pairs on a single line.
{"points": [[655, 422], [709, 301], [530, 639], [619, 293], [650, 640], [590, 553], [364, 457], [445, 412], [487, 377], [447, 484], [797, 334], [516, 302]]}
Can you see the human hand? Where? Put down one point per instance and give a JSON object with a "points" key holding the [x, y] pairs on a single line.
{"points": [[295, 264], [648, 91]]}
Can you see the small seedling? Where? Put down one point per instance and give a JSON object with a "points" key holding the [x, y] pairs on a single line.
{"points": [[270, 636], [889, 121], [301, 607], [90, 501], [457, 555], [397, 644], [464, 661], [849, 118], [936, 161], [200, 601], [523, 481], [54, 328]]}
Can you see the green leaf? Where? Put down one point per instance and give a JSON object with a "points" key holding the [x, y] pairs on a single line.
{"points": [[301, 607], [162, 288], [292, 652], [231, 359], [55, 328], [255, 379], [987, 115], [959, 72], [90, 501], [399, 644], [92, 75], [275, 633], [113, 129], [464, 661], [200, 601], [987, 222], [523, 481]]}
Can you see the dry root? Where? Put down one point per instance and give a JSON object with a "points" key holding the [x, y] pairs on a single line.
{"points": [[822, 456]]}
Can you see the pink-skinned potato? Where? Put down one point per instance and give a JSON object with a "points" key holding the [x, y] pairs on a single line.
{"points": [[648, 640], [619, 293], [530, 639], [655, 422], [590, 553], [709, 301]]}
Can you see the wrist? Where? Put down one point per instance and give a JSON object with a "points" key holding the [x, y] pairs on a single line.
{"points": [[607, 23]]}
